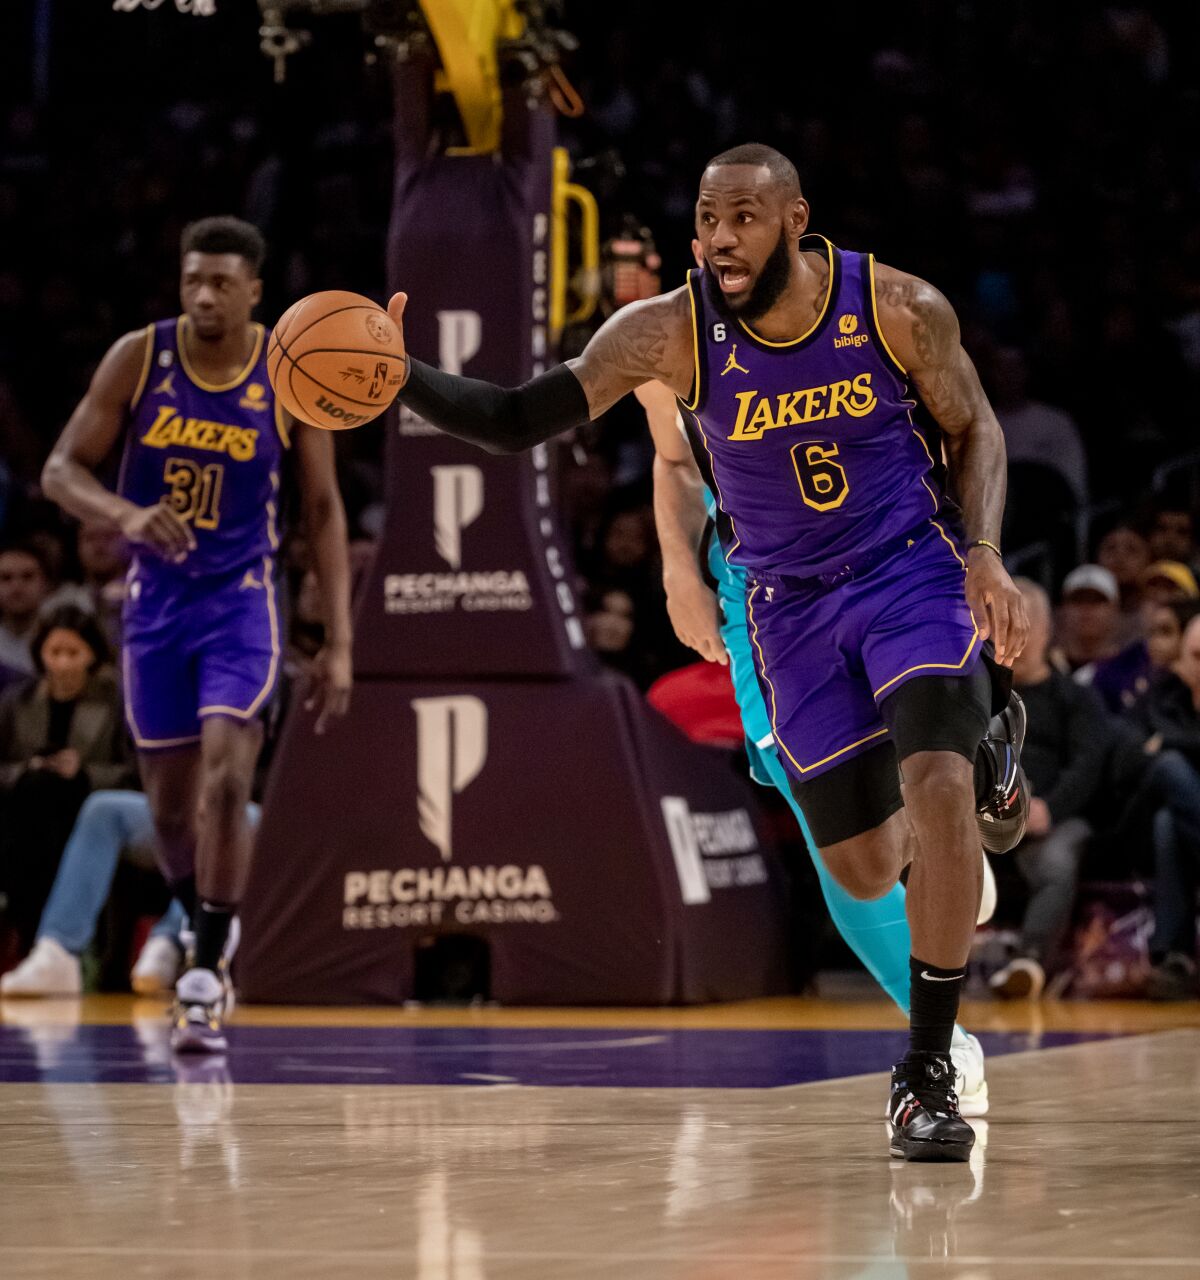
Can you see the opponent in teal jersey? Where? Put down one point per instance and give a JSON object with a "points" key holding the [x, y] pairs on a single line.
{"points": [[716, 628]]}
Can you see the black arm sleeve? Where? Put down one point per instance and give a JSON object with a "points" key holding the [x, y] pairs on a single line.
{"points": [[498, 419]]}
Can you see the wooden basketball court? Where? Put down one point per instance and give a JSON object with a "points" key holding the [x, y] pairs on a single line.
{"points": [[457, 1145]]}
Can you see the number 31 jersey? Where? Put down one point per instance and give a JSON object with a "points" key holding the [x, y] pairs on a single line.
{"points": [[212, 452], [814, 446]]}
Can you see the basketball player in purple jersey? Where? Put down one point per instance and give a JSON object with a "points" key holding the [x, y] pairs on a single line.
{"points": [[199, 497], [804, 374]]}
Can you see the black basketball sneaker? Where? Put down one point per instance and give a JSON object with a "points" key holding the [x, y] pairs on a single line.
{"points": [[1001, 788], [923, 1113]]}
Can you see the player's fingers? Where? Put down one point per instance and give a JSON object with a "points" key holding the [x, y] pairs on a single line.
{"points": [[1018, 627], [979, 614], [999, 604], [396, 307]]}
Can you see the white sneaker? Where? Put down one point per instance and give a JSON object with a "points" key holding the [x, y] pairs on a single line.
{"points": [[1021, 979], [969, 1080], [48, 970], [157, 966], [198, 1015], [987, 903]]}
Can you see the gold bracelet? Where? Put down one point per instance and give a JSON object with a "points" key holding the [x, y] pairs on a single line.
{"points": [[983, 542]]}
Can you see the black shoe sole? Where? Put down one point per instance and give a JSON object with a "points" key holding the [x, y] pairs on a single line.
{"points": [[940, 1152]]}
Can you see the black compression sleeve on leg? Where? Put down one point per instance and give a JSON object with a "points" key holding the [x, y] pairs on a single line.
{"points": [[498, 419]]}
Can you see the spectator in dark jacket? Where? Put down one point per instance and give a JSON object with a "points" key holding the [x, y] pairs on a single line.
{"points": [[1167, 719], [1068, 740], [61, 734]]}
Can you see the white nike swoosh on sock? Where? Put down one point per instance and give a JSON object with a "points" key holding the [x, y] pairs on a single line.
{"points": [[930, 978]]}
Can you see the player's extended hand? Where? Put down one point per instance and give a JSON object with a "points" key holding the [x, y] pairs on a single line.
{"points": [[694, 612], [160, 529], [330, 678], [395, 309], [996, 604]]}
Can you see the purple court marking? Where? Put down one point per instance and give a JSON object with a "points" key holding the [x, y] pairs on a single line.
{"points": [[634, 1058]]}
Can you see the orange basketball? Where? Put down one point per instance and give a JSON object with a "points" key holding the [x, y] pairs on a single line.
{"points": [[335, 359]]}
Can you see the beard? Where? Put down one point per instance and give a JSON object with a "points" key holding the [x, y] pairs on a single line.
{"points": [[768, 288]]}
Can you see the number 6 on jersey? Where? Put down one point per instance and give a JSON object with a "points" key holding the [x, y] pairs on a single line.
{"points": [[823, 483]]}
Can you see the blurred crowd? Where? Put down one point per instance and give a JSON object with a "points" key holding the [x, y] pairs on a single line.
{"points": [[1013, 155]]}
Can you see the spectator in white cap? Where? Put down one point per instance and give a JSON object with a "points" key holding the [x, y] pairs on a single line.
{"points": [[1088, 620]]}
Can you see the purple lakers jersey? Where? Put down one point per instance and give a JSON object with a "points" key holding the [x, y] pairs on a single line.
{"points": [[810, 445], [213, 452]]}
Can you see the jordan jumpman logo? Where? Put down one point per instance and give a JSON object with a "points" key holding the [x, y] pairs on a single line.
{"points": [[732, 363]]}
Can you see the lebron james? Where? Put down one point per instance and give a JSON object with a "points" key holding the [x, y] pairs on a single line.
{"points": [[822, 391]]}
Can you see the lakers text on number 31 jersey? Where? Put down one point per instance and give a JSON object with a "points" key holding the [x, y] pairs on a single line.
{"points": [[213, 452]]}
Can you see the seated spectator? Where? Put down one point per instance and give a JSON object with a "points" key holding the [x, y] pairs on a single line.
{"points": [[1173, 536], [103, 560], [24, 584], [1034, 431], [1087, 620], [1167, 718], [1125, 553], [110, 824], [1065, 747], [61, 734], [1167, 580], [1122, 679]]}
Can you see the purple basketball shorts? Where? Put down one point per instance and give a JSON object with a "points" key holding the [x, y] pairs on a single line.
{"points": [[197, 647], [827, 656]]}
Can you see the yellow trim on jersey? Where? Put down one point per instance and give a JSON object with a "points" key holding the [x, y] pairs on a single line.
{"points": [[883, 342], [933, 666], [762, 666], [217, 386], [712, 466], [144, 376], [696, 388], [145, 744], [791, 342], [950, 544], [238, 712], [925, 446], [282, 427]]}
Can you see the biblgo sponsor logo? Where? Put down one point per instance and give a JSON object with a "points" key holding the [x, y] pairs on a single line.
{"points": [[452, 750], [458, 501]]}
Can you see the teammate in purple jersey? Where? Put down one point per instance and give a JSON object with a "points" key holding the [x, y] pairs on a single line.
{"points": [[801, 371], [199, 498]]}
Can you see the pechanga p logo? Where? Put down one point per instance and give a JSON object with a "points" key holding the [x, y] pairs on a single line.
{"points": [[457, 502], [460, 334], [452, 746]]}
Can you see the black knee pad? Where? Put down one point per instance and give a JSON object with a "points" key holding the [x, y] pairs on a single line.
{"points": [[940, 713], [855, 797]]}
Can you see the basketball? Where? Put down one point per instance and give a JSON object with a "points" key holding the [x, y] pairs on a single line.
{"points": [[335, 359]]}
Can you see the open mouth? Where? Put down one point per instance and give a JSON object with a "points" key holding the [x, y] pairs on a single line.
{"points": [[732, 276]]}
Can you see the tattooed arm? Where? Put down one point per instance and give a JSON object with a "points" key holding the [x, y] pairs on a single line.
{"points": [[643, 341], [922, 331]]}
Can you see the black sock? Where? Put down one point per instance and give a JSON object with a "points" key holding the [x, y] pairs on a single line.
{"points": [[933, 1005], [185, 891], [211, 923]]}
